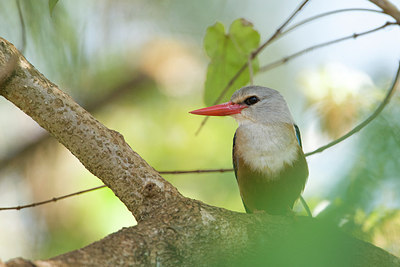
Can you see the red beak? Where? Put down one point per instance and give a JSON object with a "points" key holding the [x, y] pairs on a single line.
{"points": [[224, 109]]}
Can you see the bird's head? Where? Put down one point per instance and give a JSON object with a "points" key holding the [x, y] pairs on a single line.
{"points": [[252, 104]]}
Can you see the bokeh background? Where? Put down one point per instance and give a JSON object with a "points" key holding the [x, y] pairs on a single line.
{"points": [[139, 67]]}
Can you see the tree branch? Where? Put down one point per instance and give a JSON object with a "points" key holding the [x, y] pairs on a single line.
{"points": [[54, 199], [102, 151]]}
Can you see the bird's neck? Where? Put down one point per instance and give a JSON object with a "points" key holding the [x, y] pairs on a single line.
{"points": [[267, 148]]}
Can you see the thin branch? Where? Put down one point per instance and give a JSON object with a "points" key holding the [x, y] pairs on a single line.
{"points": [[54, 199], [252, 56], [279, 30], [196, 171], [23, 29], [326, 14], [366, 121], [314, 47]]}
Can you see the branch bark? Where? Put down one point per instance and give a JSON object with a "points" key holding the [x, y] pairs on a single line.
{"points": [[101, 150], [172, 230]]}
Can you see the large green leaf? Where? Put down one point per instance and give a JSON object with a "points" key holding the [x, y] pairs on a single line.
{"points": [[228, 53]]}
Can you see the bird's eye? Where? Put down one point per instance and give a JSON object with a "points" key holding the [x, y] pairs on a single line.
{"points": [[251, 100]]}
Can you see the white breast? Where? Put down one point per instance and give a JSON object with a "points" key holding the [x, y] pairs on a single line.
{"points": [[266, 148]]}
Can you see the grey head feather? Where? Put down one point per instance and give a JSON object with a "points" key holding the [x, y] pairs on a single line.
{"points": [[271, 107]]}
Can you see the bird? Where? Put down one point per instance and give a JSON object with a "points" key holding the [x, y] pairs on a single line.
{"points": [[268, 159]]}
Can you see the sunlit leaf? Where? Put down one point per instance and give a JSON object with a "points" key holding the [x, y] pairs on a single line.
{"points": [[52, 5], [228, 53]]}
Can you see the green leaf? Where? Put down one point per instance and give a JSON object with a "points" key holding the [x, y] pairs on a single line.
{"points": [[228, 53], [52, 5]]}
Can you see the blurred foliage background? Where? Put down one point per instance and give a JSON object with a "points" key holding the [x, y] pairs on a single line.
{"points": [[140, 66]]}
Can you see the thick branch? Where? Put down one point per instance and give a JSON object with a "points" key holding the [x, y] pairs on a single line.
{"points": [[102, 151], [195, 234]]}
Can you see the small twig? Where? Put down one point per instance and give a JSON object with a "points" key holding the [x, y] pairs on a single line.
{"points": [[279, 30], [196, 171], [23, 30], [252, 56], [366, 121], [314, 47], [54, 199]]}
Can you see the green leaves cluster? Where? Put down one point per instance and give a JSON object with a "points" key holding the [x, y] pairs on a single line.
{"points": [[228, 52]]}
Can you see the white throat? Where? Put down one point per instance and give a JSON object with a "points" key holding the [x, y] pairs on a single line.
{"points": [[266, 148]]}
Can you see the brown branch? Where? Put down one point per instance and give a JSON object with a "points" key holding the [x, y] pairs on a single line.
{"points": [[326, 14], [54, 199], [388, 8], [253, 56], [102, 151], [324, 44], [364, 123]]}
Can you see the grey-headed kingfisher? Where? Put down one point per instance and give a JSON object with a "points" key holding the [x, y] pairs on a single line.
{"points": [[268, 159]]}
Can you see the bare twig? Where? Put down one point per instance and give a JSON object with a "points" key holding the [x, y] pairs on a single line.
{"points": [[54, 199], [326, 14], [366, 121], [314, 47], [252, 56]]}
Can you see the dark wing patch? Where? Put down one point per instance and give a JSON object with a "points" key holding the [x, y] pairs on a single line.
{"points": [[233, 155], [235, 167], [298, 136]]}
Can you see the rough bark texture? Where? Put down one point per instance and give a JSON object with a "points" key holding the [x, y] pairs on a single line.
{"points": [[101, 150], [172, 230]]}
